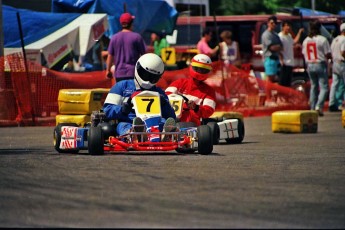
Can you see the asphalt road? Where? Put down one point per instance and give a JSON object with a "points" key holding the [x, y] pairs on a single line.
{"points": [[271, 180]]}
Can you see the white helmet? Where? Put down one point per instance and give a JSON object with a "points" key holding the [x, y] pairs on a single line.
{"points": [[200, 67], [148, 70]]}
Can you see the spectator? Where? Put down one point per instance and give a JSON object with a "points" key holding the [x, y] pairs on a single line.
{"points": [[340, 95], [316, 51], [69, 66], [287, 60], [271, 45], [203, 46], [201, 97], [159, 42], [229, 49], [93, 60], [338, 69], [148, 70], [124, 50]]}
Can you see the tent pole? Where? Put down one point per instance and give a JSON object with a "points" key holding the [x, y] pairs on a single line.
{"points": [[25, 63]]}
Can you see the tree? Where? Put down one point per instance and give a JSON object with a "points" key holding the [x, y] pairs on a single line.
{"points": [[235, 7]]}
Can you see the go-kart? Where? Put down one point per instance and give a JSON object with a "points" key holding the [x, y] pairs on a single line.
{"points": [[100, 136], [222, 128]]}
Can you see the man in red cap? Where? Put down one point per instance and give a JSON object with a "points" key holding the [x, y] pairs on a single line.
{"points": [[125, 48]]}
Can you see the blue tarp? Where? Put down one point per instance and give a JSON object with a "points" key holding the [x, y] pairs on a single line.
{"points": [[150, 15], [310, 12], [341, 12], [35, 25]]}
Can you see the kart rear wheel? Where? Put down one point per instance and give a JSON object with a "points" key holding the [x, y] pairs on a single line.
{"points": [[214, 131], [96, 141], [57, 138], [205, 145], [241, 133]]}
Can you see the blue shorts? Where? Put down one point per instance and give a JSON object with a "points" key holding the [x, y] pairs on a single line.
{"points": [[271, 66]]}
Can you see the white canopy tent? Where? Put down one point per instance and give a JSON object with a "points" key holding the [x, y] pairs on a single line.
{"points": [[91, 29], [79, 35], [58, 44]]}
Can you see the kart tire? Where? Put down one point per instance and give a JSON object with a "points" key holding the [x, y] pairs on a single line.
{"points": [[214, 131], [57, 138], [95, 141], [241, 132], [182, 125], [205, 146]]}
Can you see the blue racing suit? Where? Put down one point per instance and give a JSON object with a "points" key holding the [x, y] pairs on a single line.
{"points": [[119, 94]]}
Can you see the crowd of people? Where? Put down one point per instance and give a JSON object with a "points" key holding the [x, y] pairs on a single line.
{"points": [[317, 52]]}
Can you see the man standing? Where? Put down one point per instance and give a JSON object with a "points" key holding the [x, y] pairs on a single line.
{"points": [[287, 60], [338, 69], [316, 51], [271, 46], [203, 46], [124, 50]]}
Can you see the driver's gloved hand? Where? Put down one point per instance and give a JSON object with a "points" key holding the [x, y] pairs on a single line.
{"points": [[127, 106], [192, 105]]}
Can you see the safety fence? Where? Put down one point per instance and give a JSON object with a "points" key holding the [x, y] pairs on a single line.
{"points": [[29, 94]]}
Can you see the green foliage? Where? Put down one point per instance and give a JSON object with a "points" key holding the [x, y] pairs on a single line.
{"points": [[235, 7]]}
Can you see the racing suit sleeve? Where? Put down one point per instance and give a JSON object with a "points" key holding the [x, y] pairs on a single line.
{"points": [[208, 106], [173, 87], [113, 103]]}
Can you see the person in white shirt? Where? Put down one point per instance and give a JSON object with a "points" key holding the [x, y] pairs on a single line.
{"points": [[317, 51], [229, 49], [287, 54], [338, 68]]}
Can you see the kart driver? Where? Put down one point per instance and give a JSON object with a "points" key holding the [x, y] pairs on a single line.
{"points": [[148, 70], [201, 97]]}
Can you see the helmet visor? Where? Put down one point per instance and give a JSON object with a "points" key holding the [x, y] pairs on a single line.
{"points": [[145, 75], [200, 70]]}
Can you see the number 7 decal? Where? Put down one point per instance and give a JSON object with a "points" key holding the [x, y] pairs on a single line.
{"points": [[150, 100]]}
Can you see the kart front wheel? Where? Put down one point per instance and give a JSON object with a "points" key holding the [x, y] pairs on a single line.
{"points": [[214, 131], [96, 141], [205, 143], [57, 138]]}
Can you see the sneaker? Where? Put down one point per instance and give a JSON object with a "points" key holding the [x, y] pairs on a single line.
{"points": [[139, 126], [169, 126], [319, 112], [334, 108]]}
